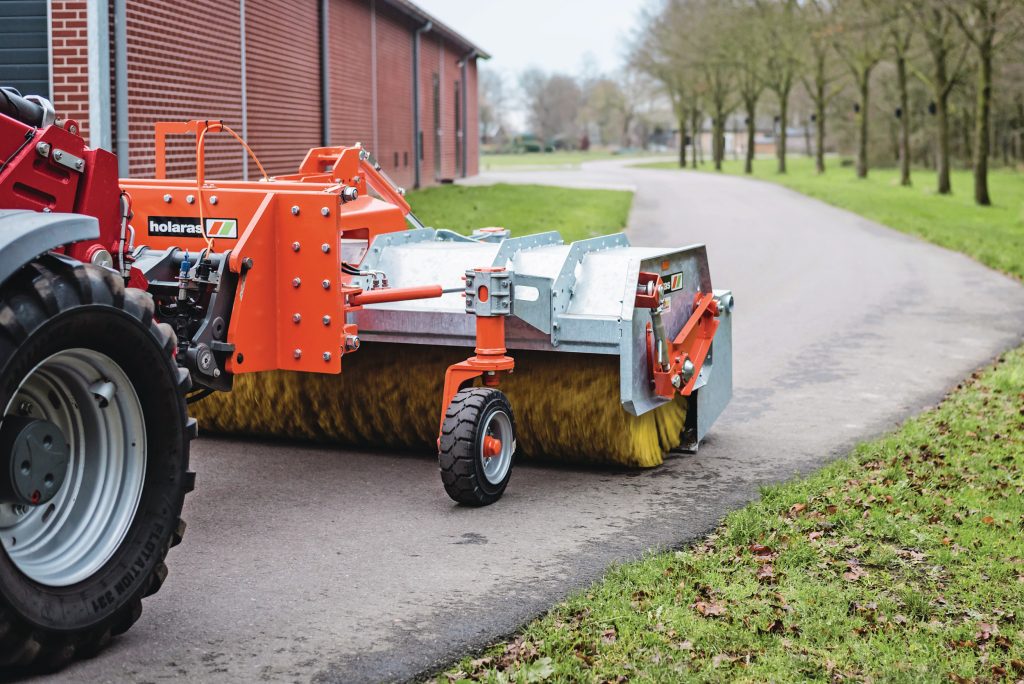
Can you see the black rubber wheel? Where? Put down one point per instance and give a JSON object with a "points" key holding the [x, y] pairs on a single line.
{"points": [[58, 311], [474, 420]]}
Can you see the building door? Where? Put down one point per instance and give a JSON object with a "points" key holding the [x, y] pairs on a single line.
{"points": [[25, 46], [437, 127], [458, 130]]}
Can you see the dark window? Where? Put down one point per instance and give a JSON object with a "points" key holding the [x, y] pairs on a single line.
{"points": [[405, 158], [396, 160], [458, 129]]}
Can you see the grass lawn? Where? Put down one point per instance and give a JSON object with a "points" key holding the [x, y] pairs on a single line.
{"points": [[523, 209], [992, 235], [548, 160], [903, 562]]}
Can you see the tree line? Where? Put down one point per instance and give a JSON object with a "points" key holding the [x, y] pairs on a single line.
{"points": [[946, 75]]}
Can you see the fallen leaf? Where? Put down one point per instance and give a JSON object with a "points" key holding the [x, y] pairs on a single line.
{"points": [[709, 608], [985, 631], [609, 636], [814, 535], [797, 508], [988, 520], [1017, 665], [760, 550], [766, 573]]}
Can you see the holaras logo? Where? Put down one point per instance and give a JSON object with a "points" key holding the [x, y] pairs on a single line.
{"points": [[186, 226]]}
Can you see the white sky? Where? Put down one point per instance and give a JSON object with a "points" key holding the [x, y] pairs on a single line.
{"points": [[556, 35]]}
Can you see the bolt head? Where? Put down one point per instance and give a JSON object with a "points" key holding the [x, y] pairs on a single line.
{"points": [[295, 210], [297, 317], [326, 283], [167, 198], [58, 155], [43, 149], [325, 248], [213, 199], [325, 211], [327, 320], [677, 381], [297, 353], [191, 199], [296, 282], [79, 164], [296, 246], [327, 356]]}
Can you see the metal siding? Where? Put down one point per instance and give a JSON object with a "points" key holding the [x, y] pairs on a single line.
{"points": [[350, 63], [394, 97], [183, 63], [282, 82], [24, 47]]}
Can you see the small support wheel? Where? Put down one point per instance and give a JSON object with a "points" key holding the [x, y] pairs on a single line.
{"points": [[477, 446]]}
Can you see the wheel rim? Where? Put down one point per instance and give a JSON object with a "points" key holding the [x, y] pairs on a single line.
{"points": [[498, 426], [91, 399]]}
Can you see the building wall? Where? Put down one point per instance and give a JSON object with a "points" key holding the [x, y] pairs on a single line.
{"points": [[69, 50], [282, 82], [184, 62], [472, 120]]}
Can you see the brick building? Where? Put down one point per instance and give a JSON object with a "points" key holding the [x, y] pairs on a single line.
{"points": [[286, 74]]}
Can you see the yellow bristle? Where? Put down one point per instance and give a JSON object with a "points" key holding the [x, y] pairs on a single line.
{"points": [[566, 405]]}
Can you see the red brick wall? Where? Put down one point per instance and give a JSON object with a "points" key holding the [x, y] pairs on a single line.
{"points": [[183, 63], [394, 97], [450, 82], [429, 67], [70, 61], [282, 82], [350, 83]]}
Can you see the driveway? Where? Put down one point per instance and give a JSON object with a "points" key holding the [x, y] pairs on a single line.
{"points": [[311, 563]]}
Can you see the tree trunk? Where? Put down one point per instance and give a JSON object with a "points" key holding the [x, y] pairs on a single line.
{"points": [[981, 128], [682, 141], [901, 79], [864, 88], [748, 163], [780, 149], [717, 142], [819, 143], [942, 149]]}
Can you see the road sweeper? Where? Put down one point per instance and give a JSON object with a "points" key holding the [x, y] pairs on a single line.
{"points": [[124, 302]]}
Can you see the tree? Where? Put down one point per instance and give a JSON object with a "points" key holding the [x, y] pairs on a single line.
{"points": [[783, 64], [860, 45], [937, 26], [493, 103], [820, 83], [987, 24], [901, 33], [749, 44], [553, 104]]}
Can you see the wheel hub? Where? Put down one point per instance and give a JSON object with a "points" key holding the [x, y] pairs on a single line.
{"points": [[36, 460]]}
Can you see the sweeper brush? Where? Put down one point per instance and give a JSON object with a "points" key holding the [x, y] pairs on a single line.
{"points": [[122, 302]]}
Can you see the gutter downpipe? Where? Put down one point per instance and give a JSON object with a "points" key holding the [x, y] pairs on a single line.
{"points": [[325, 82], [245, 87], [121, 84], [98, 22], [417, 131]]}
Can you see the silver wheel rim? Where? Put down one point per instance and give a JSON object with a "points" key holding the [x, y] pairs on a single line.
{"points": [[499, 426], [67, 540]]}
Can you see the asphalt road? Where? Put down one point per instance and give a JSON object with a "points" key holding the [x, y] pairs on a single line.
{"points": [[308, 563]]}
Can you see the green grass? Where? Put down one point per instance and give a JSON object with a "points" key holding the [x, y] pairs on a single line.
{"points": [[548, 160], [903, 562], [577, 214], [992, 235]]}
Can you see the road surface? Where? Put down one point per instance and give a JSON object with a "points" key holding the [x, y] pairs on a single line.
{"points": [[311, 563]]}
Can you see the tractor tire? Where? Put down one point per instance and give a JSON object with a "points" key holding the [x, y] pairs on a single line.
{"points": [[471, 474], [82, 354]]}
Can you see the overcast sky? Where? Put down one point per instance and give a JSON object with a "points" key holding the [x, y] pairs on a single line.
{"points": [[556, 35]]}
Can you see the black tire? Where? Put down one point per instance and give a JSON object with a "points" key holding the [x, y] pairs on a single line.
{"points": [[55, 304], [461, 453]]}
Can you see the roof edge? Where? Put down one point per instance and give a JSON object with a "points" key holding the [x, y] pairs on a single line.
{"points": [[415, 12]]}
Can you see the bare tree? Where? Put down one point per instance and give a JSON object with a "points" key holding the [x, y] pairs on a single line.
{"points": [[822, 81], [749, 44], [901, 33], [937, 24], [553, 103], [988, 24], [860, 45], [493, 103], [783, 63]]}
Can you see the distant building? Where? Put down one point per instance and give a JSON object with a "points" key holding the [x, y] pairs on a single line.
{"points": [[290, 74]]}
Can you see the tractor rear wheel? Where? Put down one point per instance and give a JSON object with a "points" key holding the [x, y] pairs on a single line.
{"points": [[94, 448], [477, 446]]}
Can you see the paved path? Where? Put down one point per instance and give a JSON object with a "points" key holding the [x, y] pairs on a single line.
{"points": [[308, 563]]}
